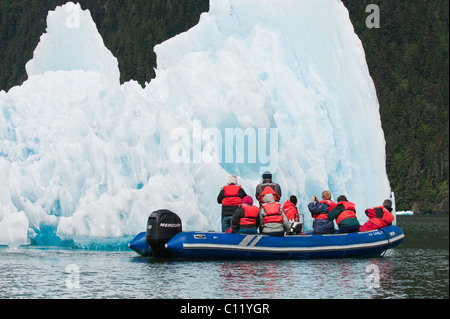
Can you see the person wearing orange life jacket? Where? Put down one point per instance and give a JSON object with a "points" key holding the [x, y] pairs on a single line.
{"points": [[319, 212], [272, 219], [230, 196], [345, 215], [379, 217], [267, 187], [245, 219], [290, 209]]}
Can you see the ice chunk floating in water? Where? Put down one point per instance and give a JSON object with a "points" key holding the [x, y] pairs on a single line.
{"points": [[84, 159]]}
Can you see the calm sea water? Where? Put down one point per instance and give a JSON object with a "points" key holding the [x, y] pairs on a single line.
{"points": [[419, 268]]}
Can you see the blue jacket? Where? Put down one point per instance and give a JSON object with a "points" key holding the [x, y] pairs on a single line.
{"points": [[322, 226], [317, 208]]}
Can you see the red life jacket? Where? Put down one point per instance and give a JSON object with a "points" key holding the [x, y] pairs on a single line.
{"points": [[349, 212], [272, 213], [331, 205], [388, 217], [251, 213], [232, 196], [383, 220], [290, 211], [268, 190]]}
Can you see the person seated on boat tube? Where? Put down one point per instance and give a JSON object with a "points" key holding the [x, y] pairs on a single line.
{"points": [[379, 217], [345, 215], [267, 187], [245, 219], [272, 219], [319, 212], [290, 209], [230, 196], [292, 214]]}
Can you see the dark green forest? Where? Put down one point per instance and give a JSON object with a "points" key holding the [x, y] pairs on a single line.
{"points": [[407, 58]]}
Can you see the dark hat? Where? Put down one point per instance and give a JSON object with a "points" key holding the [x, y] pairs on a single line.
{"points": [[267, 175], [388, 204], [293, 199]]}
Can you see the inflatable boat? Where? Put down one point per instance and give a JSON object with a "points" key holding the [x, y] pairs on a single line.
{"points": [[164, 238]]}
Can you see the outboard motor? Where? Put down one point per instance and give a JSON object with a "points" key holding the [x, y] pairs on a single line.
{"points": [[162, 225]]}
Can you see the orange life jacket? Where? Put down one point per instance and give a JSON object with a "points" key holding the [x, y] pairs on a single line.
{"points": [[331, 205], [232, 195], [272, 213], [268, 190], [251, 213], [349, 212]]}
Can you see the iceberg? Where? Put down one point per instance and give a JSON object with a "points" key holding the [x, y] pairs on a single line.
{"points": [[255, 85]]}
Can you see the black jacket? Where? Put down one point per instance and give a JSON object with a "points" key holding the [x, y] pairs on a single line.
{"points": [[238, 214], [229, 210]]}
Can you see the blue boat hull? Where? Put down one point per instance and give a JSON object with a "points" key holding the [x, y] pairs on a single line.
{"points": [[139, 245], [209, 245]]}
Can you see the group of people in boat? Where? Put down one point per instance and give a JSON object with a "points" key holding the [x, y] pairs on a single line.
{"points": [[240, 215]]}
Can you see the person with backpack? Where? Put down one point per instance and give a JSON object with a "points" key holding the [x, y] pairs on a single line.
{"points": [[267, 187]]}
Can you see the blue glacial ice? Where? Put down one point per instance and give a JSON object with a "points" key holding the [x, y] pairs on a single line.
{"points": [[85, 159]]}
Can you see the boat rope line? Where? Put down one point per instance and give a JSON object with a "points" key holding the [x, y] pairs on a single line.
{"points": [[388, 246], [244, 246]]}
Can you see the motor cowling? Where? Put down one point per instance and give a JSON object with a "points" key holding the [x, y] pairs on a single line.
{"points": [[162, 225]]}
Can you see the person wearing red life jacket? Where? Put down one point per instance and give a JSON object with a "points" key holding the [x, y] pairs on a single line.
{"points": [[345, 215], [290, 209], [267, 187], [245, 219], [319, 212], [230, 196], [379, 217], [272, 219]]}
